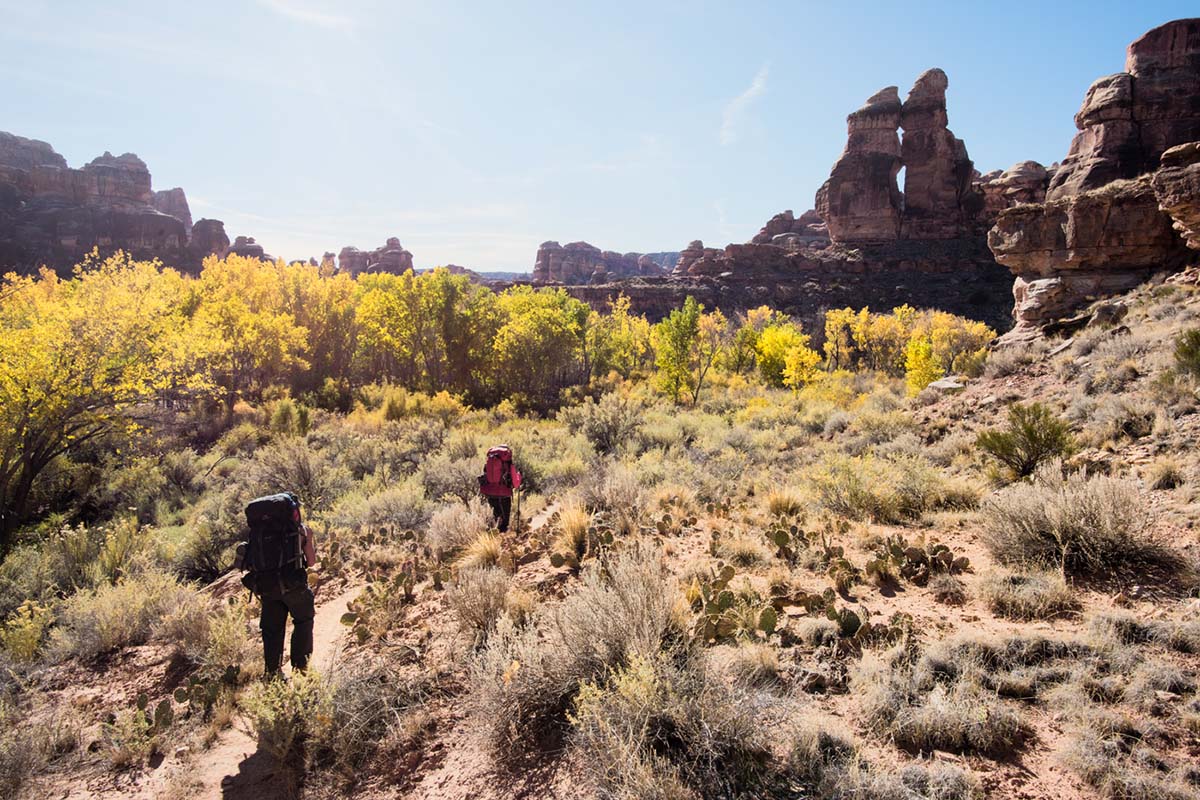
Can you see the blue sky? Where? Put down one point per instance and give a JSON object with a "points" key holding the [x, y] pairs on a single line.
{"points": [[474, 131]]}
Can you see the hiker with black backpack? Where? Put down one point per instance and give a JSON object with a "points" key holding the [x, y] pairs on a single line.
{"points": [[499, 480], [276, 556]]}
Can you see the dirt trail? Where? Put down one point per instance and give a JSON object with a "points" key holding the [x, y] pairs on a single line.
{"points": [[233, 768]]}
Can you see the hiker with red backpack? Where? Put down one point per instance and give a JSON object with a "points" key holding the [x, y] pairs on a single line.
{"points": [[499, 480], [276, 556]]}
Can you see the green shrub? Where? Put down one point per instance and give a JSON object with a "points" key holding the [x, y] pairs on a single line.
{"points": [[1033, 436], [1187, 352], [608, 424], [477, 600], [661, 727], [124, 542], [455, 525], [95, 621], [402, 505], [445, 477], [71, 553], [286, 714], [216, 523], [524, 681], [25, 574], [367, 704], [22, 634], [130, 737], [886, 490], [1028, 596], [290, 464]]}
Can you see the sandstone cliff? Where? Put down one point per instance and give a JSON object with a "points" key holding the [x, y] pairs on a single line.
{"points": [[867, 242], [391, 258], [53, 215], [581, 263], [1100, 228]]}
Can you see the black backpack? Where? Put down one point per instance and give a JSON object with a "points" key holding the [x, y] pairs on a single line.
{"points": [[274, 544]]}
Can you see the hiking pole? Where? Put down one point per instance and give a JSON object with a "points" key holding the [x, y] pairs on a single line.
{"points": [[518, 529]]}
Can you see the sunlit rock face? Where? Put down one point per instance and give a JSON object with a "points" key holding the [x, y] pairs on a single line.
{"points": [[391, 258], [583, 263], [1177, 187], [1114, 210], [53, 215]]}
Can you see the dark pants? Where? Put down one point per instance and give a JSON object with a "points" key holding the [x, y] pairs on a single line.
{"points": [[501, 510], [278, 601]]}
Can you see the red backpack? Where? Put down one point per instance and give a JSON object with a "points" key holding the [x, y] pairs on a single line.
{"points": [[497, 472]]}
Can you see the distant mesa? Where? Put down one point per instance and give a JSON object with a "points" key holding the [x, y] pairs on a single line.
{"points": [[173, 202], [391, 258], [583, 263], [53, 215]]}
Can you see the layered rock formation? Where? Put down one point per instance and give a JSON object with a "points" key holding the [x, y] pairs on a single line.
{"points": [[785, 230], [53, 215], [1177, 188], [867, 243], [861, 202], [391, 258], [173, 202], [581, 263], [208, 238], [1100, 229], [246, 246], [938, 200], [1022, 183]]}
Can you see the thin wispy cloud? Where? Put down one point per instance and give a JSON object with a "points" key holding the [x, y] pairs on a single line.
{"points": [[735, 109], [310, 16]]}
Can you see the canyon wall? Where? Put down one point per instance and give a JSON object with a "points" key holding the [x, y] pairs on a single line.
{"points": [[53, 215], [1115, 209], [581, 263], [867, 242], [391, 258]]}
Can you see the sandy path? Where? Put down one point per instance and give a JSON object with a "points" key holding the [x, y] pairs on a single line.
{"points": [[233, 767]]}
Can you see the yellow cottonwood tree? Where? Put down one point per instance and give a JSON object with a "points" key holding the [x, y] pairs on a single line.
{"points": [[75, 356]]}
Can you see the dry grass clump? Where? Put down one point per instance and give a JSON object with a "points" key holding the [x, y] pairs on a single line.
{"points": [[1119, 766], [1115, 628], [1164, 473], [26, 746], [477, 599], [1118, 417], [892, 490], [456, 525], [1079, 524], [948, 589], [96, 621], [754, 663], [784, 502], [485, 551], [744, 549], [524, 680], [573, 522], [1005, 362], [923, 710], [1028, 595]]}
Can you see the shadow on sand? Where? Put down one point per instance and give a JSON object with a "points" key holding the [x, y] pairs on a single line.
{"points": [[259, 777]]}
